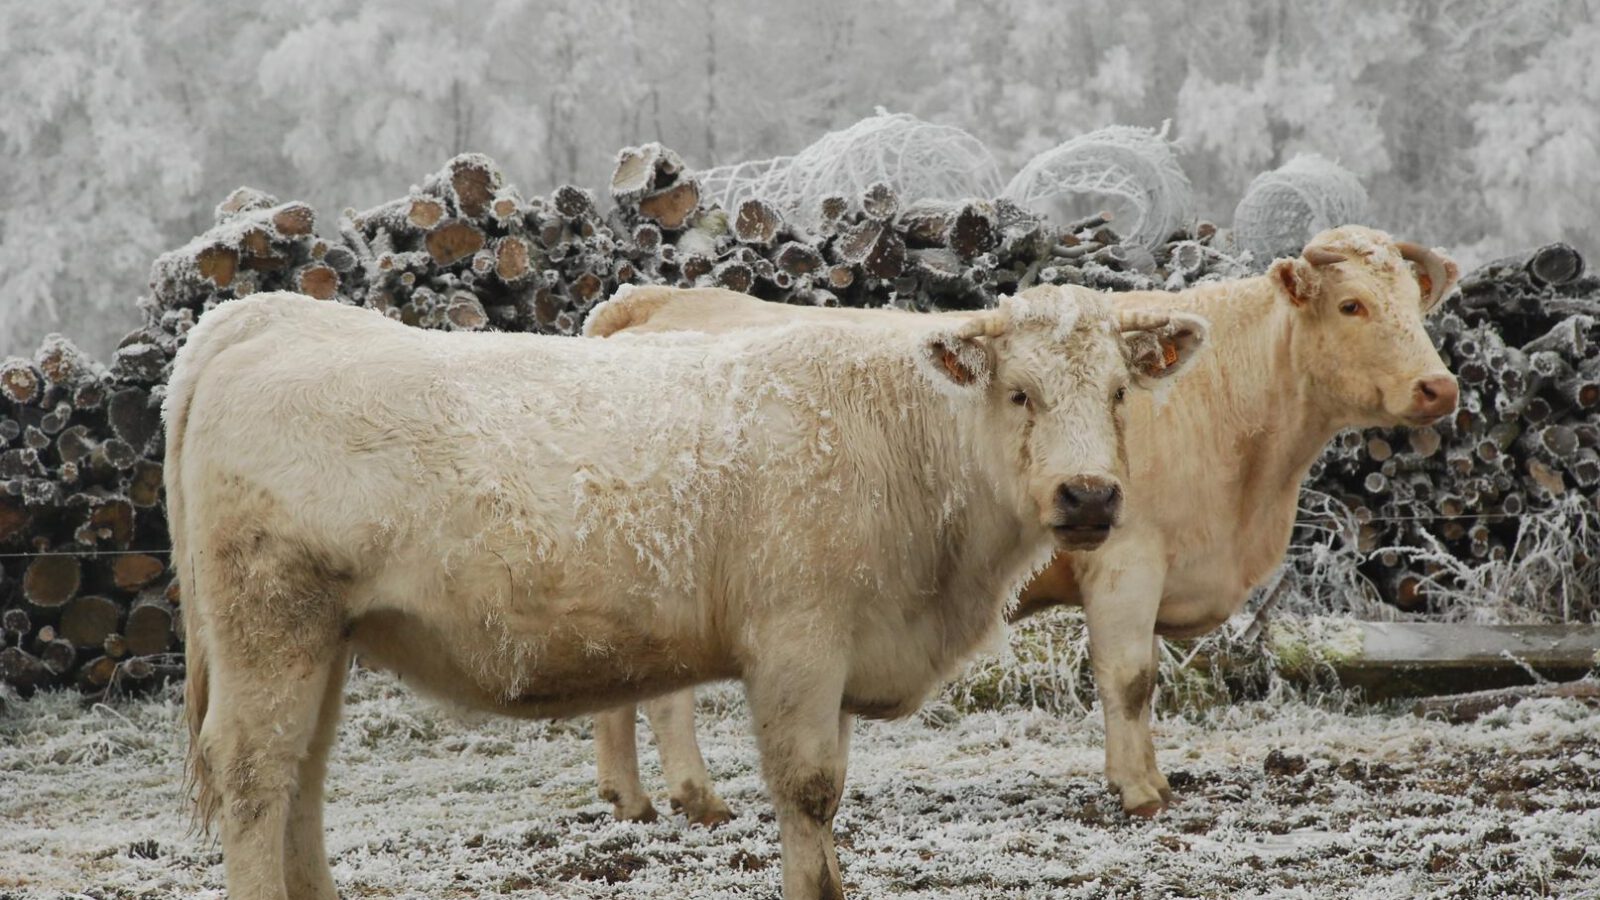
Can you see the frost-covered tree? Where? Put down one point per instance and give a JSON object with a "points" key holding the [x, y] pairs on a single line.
{"points": [[96, 164], [122, 124], [1538, 148]]}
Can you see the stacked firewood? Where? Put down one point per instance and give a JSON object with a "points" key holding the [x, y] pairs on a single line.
{"points": [[1522, 338], [85, 594], [82, 534]]}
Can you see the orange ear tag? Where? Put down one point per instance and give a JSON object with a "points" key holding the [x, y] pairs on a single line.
{"points": [[1169, 354]]}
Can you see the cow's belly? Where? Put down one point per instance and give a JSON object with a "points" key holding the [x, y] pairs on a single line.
{"points": [[549, 661]]}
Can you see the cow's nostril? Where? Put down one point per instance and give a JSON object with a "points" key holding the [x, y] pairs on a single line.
{"points": [[1435, 395], [1089, 497]]}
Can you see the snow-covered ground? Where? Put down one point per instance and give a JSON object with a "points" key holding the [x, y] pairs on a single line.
{"points": [[1278, 800]]}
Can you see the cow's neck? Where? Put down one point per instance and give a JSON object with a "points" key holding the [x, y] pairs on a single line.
{"points": [[1254, 401], [1279, 426]]}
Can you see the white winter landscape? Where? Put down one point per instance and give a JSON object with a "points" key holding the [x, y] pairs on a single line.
{"points": [[509, 166], [1278, 799]]}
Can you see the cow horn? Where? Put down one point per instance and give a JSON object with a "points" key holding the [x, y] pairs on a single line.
{"points": [[1141, 319], [1439, 273], [1322, 256], [989, 323]]}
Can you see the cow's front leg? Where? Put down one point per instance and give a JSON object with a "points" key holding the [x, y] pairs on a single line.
{"points": [[688, 783], [800, 732], [1120, 603], [616, 751]]}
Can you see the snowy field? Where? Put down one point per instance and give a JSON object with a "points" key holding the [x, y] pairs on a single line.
{"points": [[1277, 800]]}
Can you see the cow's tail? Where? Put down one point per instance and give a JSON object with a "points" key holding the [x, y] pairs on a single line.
{"points": [[218, 330]]}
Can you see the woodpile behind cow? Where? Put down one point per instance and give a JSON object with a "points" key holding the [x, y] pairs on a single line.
{"points": [[86, 594]]}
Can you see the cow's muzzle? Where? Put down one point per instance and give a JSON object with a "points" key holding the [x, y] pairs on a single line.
{"points": [[1432, 398], [1086, 509]]}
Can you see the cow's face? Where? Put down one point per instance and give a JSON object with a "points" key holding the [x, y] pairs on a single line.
{"points": [[1360, 298], [1051, 368]]}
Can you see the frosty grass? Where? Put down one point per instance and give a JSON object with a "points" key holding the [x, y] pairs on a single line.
{"points": [[1278, 799]]}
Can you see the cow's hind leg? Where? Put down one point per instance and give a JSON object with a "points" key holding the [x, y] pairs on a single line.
{"points": [[688, 783], [617, 765], [306, 870], [258, 729], [272, 619]]}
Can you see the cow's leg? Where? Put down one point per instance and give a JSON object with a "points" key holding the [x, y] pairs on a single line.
{"points": [[272, 621], [259, 726], [672, 721], [798, 729], [1120, 605], [617, 763], [306, 869]]}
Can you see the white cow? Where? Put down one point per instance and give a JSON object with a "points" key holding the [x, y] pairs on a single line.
{"points": [[1330, 340], [544, 526]]}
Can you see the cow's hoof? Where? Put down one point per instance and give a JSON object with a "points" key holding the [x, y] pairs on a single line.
{"points": [[638, 812], [1148, 810], [701, 806], [714, 814]]}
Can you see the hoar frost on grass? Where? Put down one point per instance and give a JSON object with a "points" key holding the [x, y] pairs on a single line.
{"points": [[1280, 799]]}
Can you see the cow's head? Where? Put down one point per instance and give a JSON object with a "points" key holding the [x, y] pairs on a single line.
{"points": [[1359, 297], [1050, 368]]}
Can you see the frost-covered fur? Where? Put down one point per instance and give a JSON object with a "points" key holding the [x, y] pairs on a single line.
{"points": [[544, 526], [1215, 464]]}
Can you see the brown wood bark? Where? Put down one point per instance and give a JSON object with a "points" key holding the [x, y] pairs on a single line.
{"points": [[86, 621], [150, 624], [452, 241], [133, 571], [318, 281], [20, 381], [757, 223], [513, 259], [50, 581], [21, 669], [424, 213], [217, 264], [474, 184], [670, 208], [1459, 708], [145, 486]]}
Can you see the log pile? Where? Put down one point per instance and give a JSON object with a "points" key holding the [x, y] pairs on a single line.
{"points": [[86, 596], [92, 604]]}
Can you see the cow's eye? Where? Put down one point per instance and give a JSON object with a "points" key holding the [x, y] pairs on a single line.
{"points": [[1120, 395], [1352, 308], [1019, 398]]}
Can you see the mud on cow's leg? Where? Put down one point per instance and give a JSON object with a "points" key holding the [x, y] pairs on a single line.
{"points": [[799, 730], [688, 782], [617, 762], [1122, 651]]}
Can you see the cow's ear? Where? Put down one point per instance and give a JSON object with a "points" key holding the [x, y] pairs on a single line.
{"points": [[1161, 346], [1436, 273], [961, 361], [1296, 280], [964, 357], [1300, 279]]}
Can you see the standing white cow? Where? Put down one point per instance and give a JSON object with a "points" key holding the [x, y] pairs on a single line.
{"points": [[1333, 339], [543, 526]]}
